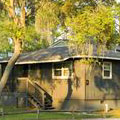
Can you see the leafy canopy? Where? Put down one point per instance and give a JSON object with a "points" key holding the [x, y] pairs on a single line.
{"points": [[94, 24]]}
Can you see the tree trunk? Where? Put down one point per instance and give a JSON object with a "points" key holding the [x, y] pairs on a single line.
{"points": [[10, 65], [23, 14], [17, 41], [11, 9]]}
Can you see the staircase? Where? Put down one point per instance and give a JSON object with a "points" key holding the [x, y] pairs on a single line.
{"points": [[38, 97], [47, 98]]}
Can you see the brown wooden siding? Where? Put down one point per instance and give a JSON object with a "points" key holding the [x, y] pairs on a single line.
{"points": [[87, 83], [100, 88]]}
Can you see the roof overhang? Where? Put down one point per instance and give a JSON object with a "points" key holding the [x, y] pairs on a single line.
{"points": [[62, 60]]}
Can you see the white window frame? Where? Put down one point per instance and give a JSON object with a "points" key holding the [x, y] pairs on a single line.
{"points": [[62, 72], [103, 76]]}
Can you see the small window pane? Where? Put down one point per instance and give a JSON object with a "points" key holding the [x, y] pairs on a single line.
{"points": [[66, 72], [57, 72], [107, 73], [106, 66]]}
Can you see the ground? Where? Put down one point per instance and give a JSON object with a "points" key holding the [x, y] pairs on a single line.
{"points": [[13, 113], [49, 116]]}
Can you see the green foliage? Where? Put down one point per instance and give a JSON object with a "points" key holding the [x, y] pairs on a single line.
{"points": [[16, 31], [4, 34], [68, 8], [32, 40], [47, 17], [93, 23], [84, 20], [9, 30]]}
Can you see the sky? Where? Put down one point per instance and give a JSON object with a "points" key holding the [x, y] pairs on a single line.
{"points": [[118, 1]]}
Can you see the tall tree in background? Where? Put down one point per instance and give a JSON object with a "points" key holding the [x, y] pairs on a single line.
{"points": [[90, 21], [46, 19], [16, 25], [20, 24]]}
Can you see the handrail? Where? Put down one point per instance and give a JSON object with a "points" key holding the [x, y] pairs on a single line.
{"points": [[46, 93], [33, 83], [36, 93], [39, 88]]}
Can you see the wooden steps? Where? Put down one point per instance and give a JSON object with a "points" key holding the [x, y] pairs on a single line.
{"points": [[38, 97]]}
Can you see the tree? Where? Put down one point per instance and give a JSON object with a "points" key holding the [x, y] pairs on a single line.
{"points": [[18, 25], [47, 20], [90, 21], [15, 27]]}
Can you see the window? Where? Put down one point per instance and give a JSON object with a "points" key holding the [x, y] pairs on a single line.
{"points": [[62, 70], [107, 70]]}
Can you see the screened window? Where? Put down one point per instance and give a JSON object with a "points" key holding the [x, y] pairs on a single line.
{"points": [[107, 70], [62, 70]]}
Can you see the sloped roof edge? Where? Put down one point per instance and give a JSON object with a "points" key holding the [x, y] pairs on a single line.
{"points": [[72, 57], [58, 54]]}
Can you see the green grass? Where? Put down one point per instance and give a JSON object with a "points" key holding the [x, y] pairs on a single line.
{"points": [[47, 115], [51, 116], [13, 109]]}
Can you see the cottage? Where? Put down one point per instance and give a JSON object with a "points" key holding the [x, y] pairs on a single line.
{"points": [[54, 78]]}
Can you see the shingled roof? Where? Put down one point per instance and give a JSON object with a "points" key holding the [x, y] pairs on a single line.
{"points": [[45, 55], [57, 54]]}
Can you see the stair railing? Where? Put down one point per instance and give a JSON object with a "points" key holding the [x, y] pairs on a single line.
{"points": [[35, 92], [47, 97]]}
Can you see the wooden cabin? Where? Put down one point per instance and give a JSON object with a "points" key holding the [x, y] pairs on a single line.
{"points": [[55, 79]]}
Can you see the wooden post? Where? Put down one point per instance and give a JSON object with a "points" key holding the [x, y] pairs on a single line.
{"points": [[38, 112], [27, 92], [43, 100], [17, 101]]}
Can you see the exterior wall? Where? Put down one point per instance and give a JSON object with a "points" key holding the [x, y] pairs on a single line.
{"points": [[85, 91], [67, 94], [18, 71], [42, 73], [9, 94], [101, 91], [103, 88]]}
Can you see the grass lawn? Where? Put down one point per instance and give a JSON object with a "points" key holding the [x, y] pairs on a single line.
{"points": [[55, 115], [13, 108], [52, 116]]}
